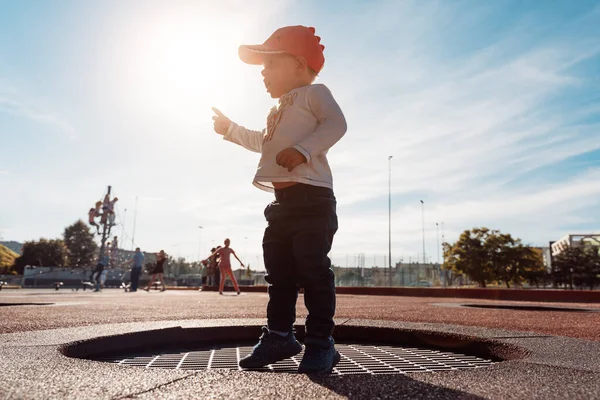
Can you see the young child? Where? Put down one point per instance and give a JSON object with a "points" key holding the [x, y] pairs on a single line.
{"points": [[91, 219], [108, 210], [111, 211], [224, 254], [97, 272], [105, 207], [158, 271], [302, 220]]}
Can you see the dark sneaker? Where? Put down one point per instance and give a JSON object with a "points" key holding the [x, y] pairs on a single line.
{"points": [[271, 348], [320, 356]]}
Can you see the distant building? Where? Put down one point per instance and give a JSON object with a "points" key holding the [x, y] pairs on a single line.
{"points": [[574, 240], [403, 274]]}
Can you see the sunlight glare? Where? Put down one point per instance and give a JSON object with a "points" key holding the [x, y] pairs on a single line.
{"points": [[184, 64]]}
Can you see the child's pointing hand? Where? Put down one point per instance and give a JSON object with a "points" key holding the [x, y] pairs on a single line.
{"points": [[290, 158], [221, 122]]}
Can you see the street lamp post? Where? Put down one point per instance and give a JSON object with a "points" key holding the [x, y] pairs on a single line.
{"points": [[437, 238], [134, 221], [446, 274], [122, 238], [443, 240], [437, 235], [423, 227], [390, 218]]}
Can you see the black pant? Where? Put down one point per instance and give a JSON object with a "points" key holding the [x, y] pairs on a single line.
{"points": [[301, 224], [216, 277], [135, 278]]}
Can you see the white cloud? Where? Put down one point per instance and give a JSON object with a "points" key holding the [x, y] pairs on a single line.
{"points": [[476, 131], [9, 103]]}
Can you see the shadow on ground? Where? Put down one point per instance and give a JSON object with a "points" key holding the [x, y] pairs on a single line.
{"points": [[387, 387]]}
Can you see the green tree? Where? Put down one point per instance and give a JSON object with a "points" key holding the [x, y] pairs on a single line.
{"points": [[486, 255], [7, 258], [80, 242], [577, 266], [179, 266], [512, 262], [469, 256], [534, 269], [47, 253]]}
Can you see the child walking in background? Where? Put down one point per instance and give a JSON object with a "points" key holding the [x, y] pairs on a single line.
{"points": [[105, 208], [108, 210], [93, 213], [225, 270], [302, 219], [158, 271]]}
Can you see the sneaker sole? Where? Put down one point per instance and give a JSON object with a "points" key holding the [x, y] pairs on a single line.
{"points": [[336, 359], [249, 365]]}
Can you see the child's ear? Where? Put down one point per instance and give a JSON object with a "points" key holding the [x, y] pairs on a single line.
{"points": [[301, 61]]}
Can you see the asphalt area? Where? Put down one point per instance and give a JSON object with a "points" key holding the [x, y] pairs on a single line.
{"points": [[560, 343]]}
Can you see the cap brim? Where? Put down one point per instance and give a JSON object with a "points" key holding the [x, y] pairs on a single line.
{"points": [[253, 54]]}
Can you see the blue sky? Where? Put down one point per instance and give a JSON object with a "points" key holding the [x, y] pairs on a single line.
{"points": [[490, 109]]}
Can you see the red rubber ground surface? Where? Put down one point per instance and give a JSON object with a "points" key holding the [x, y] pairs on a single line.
{"points": [[72, 309]]}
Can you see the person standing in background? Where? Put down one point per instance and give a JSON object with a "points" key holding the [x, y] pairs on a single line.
{"points": [[159, 269], [95, 278], [213, 268], [225, 265], [136, 269], [91, 220]]}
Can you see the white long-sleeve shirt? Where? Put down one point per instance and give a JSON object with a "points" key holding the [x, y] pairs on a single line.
{"points": [[307, 119]]}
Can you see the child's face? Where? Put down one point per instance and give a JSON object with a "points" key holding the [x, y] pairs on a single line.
{"points": [[282, 73]]}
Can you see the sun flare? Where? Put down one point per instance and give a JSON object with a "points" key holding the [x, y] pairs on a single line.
{"points": [[183, 63]]}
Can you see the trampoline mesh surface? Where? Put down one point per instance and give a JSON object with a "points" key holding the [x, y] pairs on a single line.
{"points": [[356, 359]]}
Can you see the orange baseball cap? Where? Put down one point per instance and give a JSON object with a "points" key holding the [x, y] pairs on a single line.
{"points": [[298, 40]]}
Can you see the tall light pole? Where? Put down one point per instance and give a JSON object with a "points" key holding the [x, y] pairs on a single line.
{"points": [[390, 217], [122, 238], [443, 241], [423, 227], [134, 222], [443, 262], [437, 235]]}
